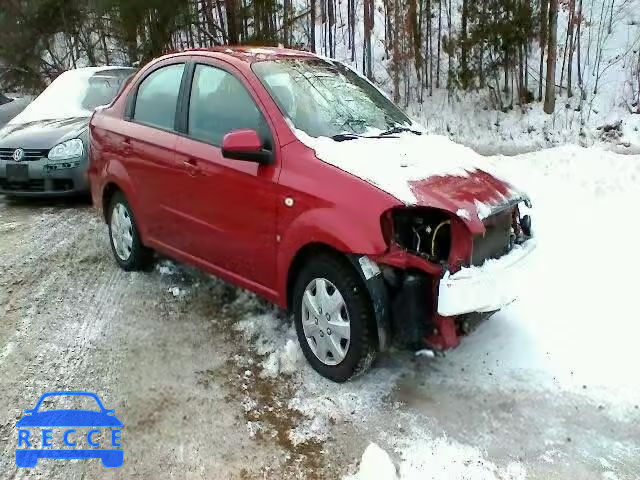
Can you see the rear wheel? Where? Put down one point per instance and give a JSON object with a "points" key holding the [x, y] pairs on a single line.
{"points": [[334, 318], [127, 249]]}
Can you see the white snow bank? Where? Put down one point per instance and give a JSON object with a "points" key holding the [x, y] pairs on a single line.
{"points": [[376, 464], [392, 163], [438, 459], [575, 326], [275, 340]]}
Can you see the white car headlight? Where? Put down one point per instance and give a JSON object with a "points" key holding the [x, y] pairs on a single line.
{"points": [[67, 150]]}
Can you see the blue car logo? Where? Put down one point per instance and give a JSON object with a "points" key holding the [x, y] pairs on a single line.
{"points": [[69, 419]]}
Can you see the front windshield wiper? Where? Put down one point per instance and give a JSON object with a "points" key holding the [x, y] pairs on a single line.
{"points": [[399, 129], [343, 137]]}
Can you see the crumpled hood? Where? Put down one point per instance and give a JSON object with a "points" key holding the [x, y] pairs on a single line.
{"points": [[422, 170], [42, 134]]}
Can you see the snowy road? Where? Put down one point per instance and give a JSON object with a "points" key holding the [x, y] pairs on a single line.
{"points": [[209, 383]]}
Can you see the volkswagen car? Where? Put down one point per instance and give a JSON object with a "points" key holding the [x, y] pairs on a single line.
{"points": [[294, 177], [43, 150]]}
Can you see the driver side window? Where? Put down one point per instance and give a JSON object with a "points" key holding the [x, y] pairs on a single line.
{"points": [[220, 103]]}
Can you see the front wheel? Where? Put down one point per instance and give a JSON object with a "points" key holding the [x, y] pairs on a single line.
{"points": [[127, 248], [334, 318]]}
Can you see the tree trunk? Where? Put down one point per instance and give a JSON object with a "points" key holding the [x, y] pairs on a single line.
{"points": [[332, 21], [564, 54], [396, 50], [430, 40], [611, 17], [312, 29], [550, 92], [544, 8], [463, 44], [368, 27], [579, 47], [572, 19], [415, 28], [286, 12], [232, 32], [439, 42]]}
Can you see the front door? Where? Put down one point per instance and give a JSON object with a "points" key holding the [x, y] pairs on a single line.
{"points": [[231, 204]]}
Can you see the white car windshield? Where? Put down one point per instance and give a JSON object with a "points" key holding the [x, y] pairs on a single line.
{"points": [[325, 98], [75, 93]]}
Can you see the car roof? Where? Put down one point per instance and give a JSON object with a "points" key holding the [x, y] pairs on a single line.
{"points": [[248, 54]]}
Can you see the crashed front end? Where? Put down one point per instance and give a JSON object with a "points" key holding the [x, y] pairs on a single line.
{"points": [[444, 270]]}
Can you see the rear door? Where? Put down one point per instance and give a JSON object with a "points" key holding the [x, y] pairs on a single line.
{"points": [[231, 204], [149, 140]]}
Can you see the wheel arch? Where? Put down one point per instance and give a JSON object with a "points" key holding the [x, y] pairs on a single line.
{"points": [[299, 260], [108, 192], [374, 287]]}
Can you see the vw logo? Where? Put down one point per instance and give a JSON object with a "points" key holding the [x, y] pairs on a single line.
{"points": [[18, 155]]}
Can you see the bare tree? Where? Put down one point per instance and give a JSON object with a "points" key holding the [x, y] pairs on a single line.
{"points": [[550, 92], [439, 43], [368, 27], [570, 34], [544, 24], [312, 27]]}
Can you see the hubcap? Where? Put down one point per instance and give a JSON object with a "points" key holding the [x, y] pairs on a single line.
{"points": [[121, 232], [325, 321]]}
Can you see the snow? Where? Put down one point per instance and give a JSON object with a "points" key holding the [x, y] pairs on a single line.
{"points": [[375, 464], [574, 326], [392, 163], [62, 99], [440, 459]]}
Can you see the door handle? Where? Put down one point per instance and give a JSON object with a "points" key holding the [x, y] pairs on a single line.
{"points": [[191, 165], [126, 146]]}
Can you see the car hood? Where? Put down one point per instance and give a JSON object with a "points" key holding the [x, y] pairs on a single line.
{"points": [[42, 134], [423, 170], [69, 418]]}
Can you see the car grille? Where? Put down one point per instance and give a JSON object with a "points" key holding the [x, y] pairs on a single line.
{"points": [[495, 242], [30, 154]]}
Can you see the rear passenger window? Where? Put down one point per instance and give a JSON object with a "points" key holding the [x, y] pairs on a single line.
{"points": [[157, 97], [219, 104]]}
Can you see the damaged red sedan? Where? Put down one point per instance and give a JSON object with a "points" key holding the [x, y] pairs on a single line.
{"points": [[294, 177]]}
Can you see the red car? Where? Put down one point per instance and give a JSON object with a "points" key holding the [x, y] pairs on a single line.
{"points": [[294, 177]]}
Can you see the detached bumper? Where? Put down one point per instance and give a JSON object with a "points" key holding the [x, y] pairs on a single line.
{"points": [[490, 287], [44, 179]]}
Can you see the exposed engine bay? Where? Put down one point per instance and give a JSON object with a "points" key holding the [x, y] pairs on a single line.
{"points": [[424, 232], [427, 233]]}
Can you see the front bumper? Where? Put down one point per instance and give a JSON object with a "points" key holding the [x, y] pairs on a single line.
{"points": [[46, 179], [490, 287]]}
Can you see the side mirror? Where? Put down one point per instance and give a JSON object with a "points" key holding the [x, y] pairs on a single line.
{"points": [[245, 145]]}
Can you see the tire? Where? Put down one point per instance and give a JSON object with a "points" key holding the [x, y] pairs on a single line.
{"points": [[129, 252], [331, 274]]}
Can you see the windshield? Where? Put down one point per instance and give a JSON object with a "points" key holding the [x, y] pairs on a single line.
{"points": [[324, 98], [75, 93]]}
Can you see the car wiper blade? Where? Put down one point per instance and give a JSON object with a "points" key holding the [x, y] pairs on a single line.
{"points": [[399, 129], [343, 137]]}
